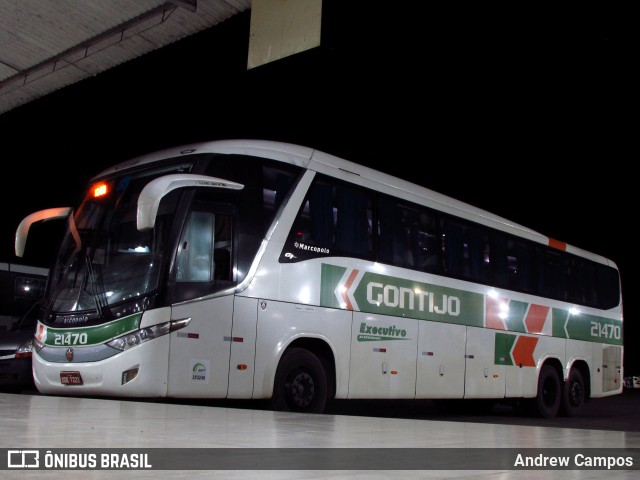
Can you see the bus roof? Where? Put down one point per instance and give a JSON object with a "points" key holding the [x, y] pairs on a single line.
{"points": [[322, 162]]}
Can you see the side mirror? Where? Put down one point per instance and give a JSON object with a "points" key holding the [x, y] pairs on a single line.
{"points": [[42, 215], [155, 190]]}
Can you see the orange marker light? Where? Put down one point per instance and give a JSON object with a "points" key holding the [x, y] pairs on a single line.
{"points": [[557, 244], [100, 190]]}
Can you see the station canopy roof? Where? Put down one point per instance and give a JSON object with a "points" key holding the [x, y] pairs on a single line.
{"points": [[48, 44]]}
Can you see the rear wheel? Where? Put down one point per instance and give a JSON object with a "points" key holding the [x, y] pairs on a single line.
{"points": [[573, 393], [546, 404], [300, 384]]}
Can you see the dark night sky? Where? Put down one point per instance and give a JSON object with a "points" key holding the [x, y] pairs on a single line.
{"points": [[521, 112]]}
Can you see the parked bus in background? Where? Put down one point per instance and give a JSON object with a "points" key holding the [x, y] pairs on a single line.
{"points": [[20, 287], [251, 269]]}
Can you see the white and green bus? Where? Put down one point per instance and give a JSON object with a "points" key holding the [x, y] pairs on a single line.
{"points": [[251, 269]]}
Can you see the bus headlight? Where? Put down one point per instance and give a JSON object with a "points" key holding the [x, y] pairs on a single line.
{"points": [[133, 339]]}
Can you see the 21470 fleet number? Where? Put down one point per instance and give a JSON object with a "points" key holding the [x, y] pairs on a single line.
{"points": [[70, 338], [605, 330]]}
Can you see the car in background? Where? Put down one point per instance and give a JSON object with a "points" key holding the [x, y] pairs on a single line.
{"points": [[15, 353], [632, 382]]}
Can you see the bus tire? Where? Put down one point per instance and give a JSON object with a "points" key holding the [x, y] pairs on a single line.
{"points": [[300, 384], [546, 403], [573, 393]]}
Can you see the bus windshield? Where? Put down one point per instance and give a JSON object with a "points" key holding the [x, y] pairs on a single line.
{"points": [[137, 230], [104, 258]]}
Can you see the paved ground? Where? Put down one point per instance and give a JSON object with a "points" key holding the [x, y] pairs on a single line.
{"points": [[620, 413], [382, 429], [617, 413]]}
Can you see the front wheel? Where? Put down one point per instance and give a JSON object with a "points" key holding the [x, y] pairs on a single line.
{"points": [[573, 393], [300, 384], [546, 403]]}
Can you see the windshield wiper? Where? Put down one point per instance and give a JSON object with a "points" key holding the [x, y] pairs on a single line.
{"points": [[99, 295]]}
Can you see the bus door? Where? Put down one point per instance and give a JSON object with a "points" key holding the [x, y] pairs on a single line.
{"points": [[199, 353]]}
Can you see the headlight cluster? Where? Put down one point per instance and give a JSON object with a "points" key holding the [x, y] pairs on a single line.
{"points": [[133, 339]]}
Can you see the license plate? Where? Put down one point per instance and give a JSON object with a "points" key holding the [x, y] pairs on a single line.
{"points": [[70, 378]]}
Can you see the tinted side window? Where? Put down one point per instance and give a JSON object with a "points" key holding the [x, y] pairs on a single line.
{"points": [[408, 235], [267, 184], [335, 220]]}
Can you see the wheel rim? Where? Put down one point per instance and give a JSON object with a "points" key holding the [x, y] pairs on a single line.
{"points": [[301, 389], [575, 394]]}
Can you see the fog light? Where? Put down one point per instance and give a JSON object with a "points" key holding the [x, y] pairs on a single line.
{"points": [[129, 375]]}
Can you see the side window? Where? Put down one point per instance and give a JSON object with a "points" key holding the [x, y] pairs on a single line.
{"points": [[222, 247], [408, 236], [520, 265], [195, 253], [607, 283], [488, 256], [267, 185], [205, 256], [335, 219], [353, 221], [498, 259], [554, 275], [466, 250], [204, 253]]}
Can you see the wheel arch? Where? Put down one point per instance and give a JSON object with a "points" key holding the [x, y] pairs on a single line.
{"points": [[555, 363], [321, 349]]}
